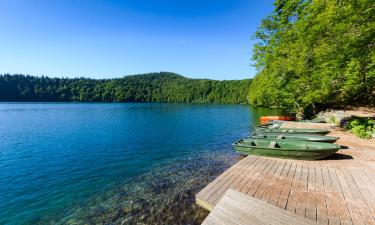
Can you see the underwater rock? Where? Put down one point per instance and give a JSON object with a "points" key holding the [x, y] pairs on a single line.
{"points": [[165, 195]]}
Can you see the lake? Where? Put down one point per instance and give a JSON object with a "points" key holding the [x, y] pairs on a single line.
{"points": [[121, 163]]}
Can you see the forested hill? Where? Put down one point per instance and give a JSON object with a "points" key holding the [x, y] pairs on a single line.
{"points": [[314, 54], [152, 87]]}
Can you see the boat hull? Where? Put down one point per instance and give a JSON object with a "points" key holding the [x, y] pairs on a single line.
{"points": [[302, 150], [300, 155], [293, 131], [295, 137]]}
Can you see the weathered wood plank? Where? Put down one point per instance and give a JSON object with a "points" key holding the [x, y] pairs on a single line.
{"points": [[302, 200], [245, 179], [311, 209], [266, 181], [325, 191], [280, 181], [292, 200], [253, 178], [267, 193], [355, 216], [339, 201], [247, 172], [245, 210], [254, 187], [284, 194], [332, 216], [321, 207], [364, 211], [365, 187], [211, 187], [228, 182], [250, 173]]}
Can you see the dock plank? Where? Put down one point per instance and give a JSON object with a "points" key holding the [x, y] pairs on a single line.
{"points": [[292, 200], [325, 191], [311, 209], [279, 183], [273, 182], [301, 195], [228, 182], [339, 201], [246, 180], [365, 212], [256, 184], [321, 207], [249, 181], [355, 216], [266, 181], [284, 194], [241, 209]]}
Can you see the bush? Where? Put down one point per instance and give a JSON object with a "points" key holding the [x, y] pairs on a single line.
{"points": [[362, 127]]}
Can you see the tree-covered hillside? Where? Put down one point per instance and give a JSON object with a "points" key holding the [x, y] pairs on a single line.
{"points": [[313, 54], [153, 87]]}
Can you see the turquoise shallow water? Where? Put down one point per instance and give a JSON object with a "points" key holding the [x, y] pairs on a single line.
{"points": [[70, 163]]}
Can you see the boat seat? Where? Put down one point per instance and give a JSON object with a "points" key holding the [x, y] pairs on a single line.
{"points": [[252, 143], [280, 137], [273, 144]]}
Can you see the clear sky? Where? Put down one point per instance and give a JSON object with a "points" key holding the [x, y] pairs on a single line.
{"points": [[113, 38]]}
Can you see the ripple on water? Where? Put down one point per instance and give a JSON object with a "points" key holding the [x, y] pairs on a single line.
{"points": [[113, 163]]}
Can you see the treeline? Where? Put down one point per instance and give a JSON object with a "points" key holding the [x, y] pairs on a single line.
{"points": [[152, 87], [313, 54]]}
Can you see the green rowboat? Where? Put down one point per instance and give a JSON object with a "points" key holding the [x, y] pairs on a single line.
{"points": [[295, 137], [271, 125], [292, 130], [303, 150]]}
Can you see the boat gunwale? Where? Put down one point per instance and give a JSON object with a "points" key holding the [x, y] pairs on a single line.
{"points": [[290, 130], [239, 144], [289, 137]]}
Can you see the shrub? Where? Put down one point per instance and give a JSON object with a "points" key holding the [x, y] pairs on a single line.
{"points": [[362, 127]]}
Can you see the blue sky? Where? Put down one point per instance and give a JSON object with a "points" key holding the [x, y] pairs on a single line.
{"points": [[105, 39]]}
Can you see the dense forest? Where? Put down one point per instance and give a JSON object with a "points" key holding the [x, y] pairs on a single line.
{"points": [[152, 87], [312, 54]]}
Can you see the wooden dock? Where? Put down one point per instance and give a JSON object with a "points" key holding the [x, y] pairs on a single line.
{"points": [[340, 190], [237, 208]]}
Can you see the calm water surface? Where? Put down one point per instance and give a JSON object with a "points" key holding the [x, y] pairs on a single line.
{"points": [[73, 163]]}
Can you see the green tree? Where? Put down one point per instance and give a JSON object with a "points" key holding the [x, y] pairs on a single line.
{"points": [[315, 53], [153, 87]]}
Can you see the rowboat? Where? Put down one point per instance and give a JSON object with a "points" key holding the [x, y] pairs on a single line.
{"points": [[294, 137], [271, 125], [303, 150], [291, 130], [266, 119]]}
